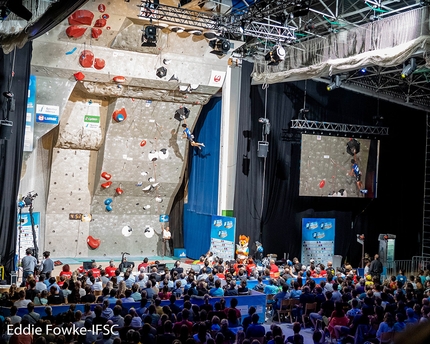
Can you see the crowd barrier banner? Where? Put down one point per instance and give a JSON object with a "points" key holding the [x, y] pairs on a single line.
{"points": [[256, 299]]}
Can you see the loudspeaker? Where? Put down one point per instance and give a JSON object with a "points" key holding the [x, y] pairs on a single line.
{"points": [[263, 148], [353, 147], [245, 165]]}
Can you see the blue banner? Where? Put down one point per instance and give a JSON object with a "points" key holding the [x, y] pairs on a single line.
{"points": [[317, 240], [223, 233], [29, 120]]}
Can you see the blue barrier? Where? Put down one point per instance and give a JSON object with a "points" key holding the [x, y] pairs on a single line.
{"points": [[256, 299]]}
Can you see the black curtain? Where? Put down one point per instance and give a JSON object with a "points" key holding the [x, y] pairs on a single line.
{"points": [[14, 77], [267, 206]]}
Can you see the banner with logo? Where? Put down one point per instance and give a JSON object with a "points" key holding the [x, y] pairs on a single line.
{"points": [[29, 120], [223, 233], [317, 240]]}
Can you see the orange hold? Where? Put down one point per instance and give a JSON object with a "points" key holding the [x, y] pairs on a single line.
{"points": [[93, 242], [322, 183], [119, 115]]}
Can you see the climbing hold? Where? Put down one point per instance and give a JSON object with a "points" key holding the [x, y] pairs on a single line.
{"points": [[108, 201], [106, 175], [99, 63], [151, 179], [74, 31], [83, 17], [119, 115], [101, 8], [95, 33], [119, 191], [86, 59], [79, 76], [322, 183], [142, 143], [127, 231], [119, 79], [93, 242], [106, 185], [100, 22], [109, 208]]}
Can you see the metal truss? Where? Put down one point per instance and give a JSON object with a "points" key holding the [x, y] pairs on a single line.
{"points": [[303, 124], [178, 15], [277, 33]]}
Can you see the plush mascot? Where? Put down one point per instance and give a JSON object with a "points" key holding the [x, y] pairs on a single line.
{"points": [[242, 249]]}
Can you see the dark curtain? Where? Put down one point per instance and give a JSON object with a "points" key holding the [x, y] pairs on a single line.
{"points": [[267, 206], [14, 77]]}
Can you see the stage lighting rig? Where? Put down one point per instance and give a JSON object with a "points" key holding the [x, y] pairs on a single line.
{"points": [[28, 200], [335, 83], [409, 68], [276, 55], [149, 38], [220, 46]]}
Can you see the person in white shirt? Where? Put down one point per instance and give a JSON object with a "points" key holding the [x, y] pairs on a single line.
{"points": [[167, 240]]}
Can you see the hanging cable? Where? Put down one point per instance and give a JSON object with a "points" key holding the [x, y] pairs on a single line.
{"points": [[265, 87]]}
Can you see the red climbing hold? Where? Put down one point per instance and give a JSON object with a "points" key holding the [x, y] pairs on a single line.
{"points": [[93, 242], [95, 33], [119, 115], [101, 8], [100, 23], [106, 185], [322, 183], [142, 143], [86, 59], [75, 31], [106, 175], [83, 17], [79, 76], [119, 79], [99, 63]]}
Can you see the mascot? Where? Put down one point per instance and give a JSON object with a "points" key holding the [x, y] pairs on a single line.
{"points": [[242, 249]]}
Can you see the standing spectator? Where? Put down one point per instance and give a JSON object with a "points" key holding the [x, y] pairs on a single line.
{"points": [[376, 267], [47, 265], [28, 263]]}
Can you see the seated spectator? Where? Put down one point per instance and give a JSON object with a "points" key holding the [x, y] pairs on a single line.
{"points": [[255, 330], [296, 338], [41, 299], [22, 301], [55, 297], [231, 290], [31, 316], [165, 294], [243, 288]]}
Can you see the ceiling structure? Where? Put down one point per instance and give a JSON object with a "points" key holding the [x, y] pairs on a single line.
{"points": [[292, 24]]}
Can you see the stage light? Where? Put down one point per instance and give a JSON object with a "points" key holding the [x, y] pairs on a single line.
{"points": [[149, 38], [335, 83], [363, 70], [276, 55], [220, 46], [409, 68]]}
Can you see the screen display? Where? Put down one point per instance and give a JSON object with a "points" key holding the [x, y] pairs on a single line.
{"points": [[334, 166]]}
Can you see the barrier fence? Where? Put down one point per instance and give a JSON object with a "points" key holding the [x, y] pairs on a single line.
{"points": [[409, 267]]}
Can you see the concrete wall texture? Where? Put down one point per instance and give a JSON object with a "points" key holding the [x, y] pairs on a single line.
{"points": [[144, 153]]}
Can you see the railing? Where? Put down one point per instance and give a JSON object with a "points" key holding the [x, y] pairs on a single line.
{"points": [[409, 267]]}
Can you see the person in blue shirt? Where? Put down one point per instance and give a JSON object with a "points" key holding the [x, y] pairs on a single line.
{"points": [[217, 291], [190, 137]]}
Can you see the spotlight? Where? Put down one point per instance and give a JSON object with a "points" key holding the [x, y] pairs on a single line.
{"points": [[263, 120], [16, 7], [276, 55], [220, 46], [149, 38], [409, 68], [335, 83], [363, 70]]}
